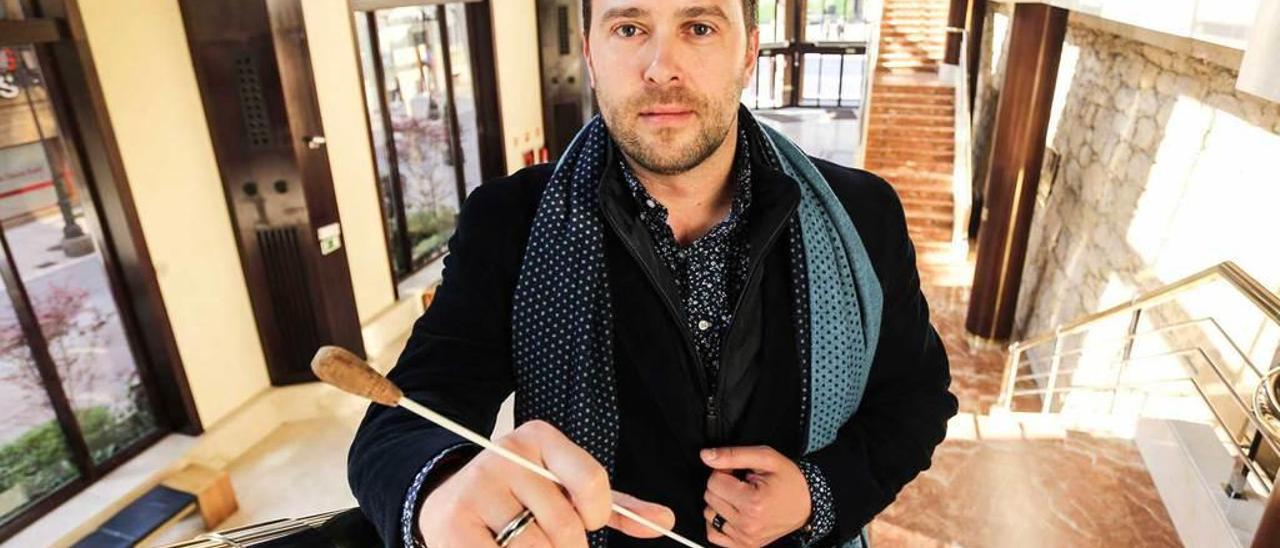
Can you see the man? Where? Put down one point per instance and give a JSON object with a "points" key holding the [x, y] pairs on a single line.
{"points": [[700, 323]]}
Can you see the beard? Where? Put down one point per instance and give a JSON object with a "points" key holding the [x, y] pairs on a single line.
{"points": [[670, 150]]}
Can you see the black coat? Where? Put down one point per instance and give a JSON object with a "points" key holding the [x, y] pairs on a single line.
{"points": [[458, 358]]}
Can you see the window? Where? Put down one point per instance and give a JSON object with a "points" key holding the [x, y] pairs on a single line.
{"points": [[426, 120], [79, 396], [814, 58]]}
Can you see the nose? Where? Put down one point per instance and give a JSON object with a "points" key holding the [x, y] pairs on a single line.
{"points": [[663, 69]]}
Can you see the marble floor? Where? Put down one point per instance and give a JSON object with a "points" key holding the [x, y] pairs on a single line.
{"points": [[828, 133], [1000, 484]]}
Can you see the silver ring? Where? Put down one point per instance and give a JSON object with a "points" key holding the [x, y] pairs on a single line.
{"points": [[514, 527]]}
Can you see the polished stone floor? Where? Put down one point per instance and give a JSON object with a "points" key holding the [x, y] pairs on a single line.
{"points": [[1002, 483]]}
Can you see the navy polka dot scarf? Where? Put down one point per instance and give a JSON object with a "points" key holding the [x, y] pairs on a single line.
{"points": [[563, 319]]}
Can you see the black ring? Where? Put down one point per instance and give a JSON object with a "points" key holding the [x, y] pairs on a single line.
{"points": [[718, 523]]}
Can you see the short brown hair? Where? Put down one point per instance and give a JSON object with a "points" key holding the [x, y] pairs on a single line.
{"points": [[748, 15]]}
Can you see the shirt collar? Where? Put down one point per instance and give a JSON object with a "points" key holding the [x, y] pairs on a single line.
{"points": [[740, 177]]}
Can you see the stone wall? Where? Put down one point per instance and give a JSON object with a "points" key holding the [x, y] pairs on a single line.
{"points": [[1157, 168]]}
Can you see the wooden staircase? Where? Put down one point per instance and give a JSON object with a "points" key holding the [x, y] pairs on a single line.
{"points": [[911, 126]]}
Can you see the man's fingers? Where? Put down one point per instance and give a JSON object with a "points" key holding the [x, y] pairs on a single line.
{"points": [[730, 536], [657, 513], [730, 488], [760, 458], [472, 534], [722, 506], [556, 516], [584, 477], [532, 537]]}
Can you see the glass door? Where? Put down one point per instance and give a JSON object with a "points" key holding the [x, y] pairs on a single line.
{"points": [[70, 379], [812, 53], [423, 118]]}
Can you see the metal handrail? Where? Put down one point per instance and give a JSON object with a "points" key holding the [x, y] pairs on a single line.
{"points": [[1226, 271], [1262, 412], [1132, 336]]}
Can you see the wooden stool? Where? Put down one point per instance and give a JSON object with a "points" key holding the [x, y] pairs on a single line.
{"points": [[212, 488]]}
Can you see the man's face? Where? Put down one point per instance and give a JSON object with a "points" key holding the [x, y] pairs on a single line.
{"points": [[668, 75]]}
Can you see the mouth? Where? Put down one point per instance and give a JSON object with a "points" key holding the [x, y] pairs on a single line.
{"points": [[666, 115]]}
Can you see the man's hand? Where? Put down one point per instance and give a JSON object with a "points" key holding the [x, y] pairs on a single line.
{"points": [[770, 504], [481, 497]]}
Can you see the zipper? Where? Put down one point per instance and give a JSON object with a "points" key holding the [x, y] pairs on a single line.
{"points": [[713, 418]]}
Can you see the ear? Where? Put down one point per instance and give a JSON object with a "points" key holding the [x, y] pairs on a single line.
{"points": [[586, 54], [753, 56]]}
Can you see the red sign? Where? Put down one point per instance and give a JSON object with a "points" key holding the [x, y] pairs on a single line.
{"points": [[8, 60]]}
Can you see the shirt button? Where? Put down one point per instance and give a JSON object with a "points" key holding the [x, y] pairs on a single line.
{"points": [[703, 325]]}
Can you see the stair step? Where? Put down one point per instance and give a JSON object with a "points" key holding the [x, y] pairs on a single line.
{"points": [[912, 23], [882, 131], [897, 143], [914, 11], [928, 204], [915, 169], [883, 107], [912, 63], [922, 185], [936, 40], [914, 176], [906, 71], [911, 46], [907, 193], [922, 99], [906, 154], [928, 235], [880, 87], [911, 138], [933, 143], [912, 27], [943, 146], [908, 56], [893, 46], [911, 119], [928, 216], [887, 43]]}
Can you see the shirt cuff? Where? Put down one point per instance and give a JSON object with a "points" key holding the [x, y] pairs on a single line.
{"points": [[822, 516], [415, 489]]}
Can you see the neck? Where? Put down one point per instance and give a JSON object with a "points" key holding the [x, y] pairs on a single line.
{"points": [[698, 198]]}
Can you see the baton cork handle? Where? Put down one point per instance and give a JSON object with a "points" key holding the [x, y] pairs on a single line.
{"points": [[340, 368]]}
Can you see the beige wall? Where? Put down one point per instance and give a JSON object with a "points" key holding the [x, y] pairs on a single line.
{"points": [[515, 31], [338, 87], [140, 50]]}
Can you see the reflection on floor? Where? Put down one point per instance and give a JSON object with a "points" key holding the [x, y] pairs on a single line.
{"points": [[1011, 483], [298, 470], [828, 133]]}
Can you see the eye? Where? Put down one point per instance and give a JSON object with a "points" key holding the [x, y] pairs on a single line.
{"points": [[627, 31], [701, 29]]}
